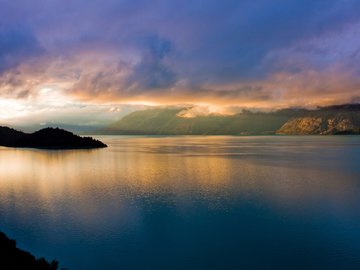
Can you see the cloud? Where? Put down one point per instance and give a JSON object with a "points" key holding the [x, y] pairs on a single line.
{"points": [[16, 46], [152, 72], [126, 79], [355, 99], [226, 53]]}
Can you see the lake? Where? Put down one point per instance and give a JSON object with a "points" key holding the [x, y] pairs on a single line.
{"points": [[188, 202]]}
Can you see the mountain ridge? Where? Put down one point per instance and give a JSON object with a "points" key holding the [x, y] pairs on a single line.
{"points": [[337, 119]]}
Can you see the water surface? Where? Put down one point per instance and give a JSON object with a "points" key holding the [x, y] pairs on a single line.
{"points": [[188, 202]]}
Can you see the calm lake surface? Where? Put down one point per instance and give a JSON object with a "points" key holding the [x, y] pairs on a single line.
{"points": [[188, 202]]}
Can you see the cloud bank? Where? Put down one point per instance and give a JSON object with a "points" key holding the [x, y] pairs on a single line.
{"points": [[261, 54]]}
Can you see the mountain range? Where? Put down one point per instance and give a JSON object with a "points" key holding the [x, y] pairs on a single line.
{"points": [[339, 119]]}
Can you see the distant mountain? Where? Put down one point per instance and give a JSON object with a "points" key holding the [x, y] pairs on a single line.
{"points": [[341, 119], [168, 121], [47, 138], [14, 258]]}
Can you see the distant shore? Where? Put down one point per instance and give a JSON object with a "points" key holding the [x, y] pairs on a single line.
{"points": [[333, 120]]}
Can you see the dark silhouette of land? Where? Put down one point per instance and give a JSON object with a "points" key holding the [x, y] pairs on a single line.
{"points": [[13, 258], [47, 138]]}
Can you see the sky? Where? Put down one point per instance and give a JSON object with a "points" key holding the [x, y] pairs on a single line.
{"points": [[91, 62]]}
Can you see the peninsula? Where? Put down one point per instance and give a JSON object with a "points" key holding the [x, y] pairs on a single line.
{"points": [[47, 138]]}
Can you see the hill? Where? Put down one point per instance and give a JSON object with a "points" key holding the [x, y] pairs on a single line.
{"points": [[8, 135], [339, 119], [168, 121], [47, 138]]}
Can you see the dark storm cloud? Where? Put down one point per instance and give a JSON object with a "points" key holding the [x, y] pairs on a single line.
{"points": [[17, 45], [152, 71]]}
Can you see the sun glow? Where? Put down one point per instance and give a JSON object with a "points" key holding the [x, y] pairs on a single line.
{"points": [[12, 108], [142, 102], [47, 98], [53, 96]]}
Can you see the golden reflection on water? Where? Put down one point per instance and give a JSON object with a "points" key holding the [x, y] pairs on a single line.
{"points": [[90, 182]]}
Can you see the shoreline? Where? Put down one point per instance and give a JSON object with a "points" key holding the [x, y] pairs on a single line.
{"points": [[13, 257]]}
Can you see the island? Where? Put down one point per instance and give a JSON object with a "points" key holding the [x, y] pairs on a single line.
{"points": [[15, 258], [47, 138]]}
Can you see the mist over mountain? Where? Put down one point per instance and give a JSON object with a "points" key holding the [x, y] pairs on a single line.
{"points": [[339, 119]]}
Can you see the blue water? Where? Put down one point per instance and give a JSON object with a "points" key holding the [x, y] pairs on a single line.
{"points": [[188, 202]]}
